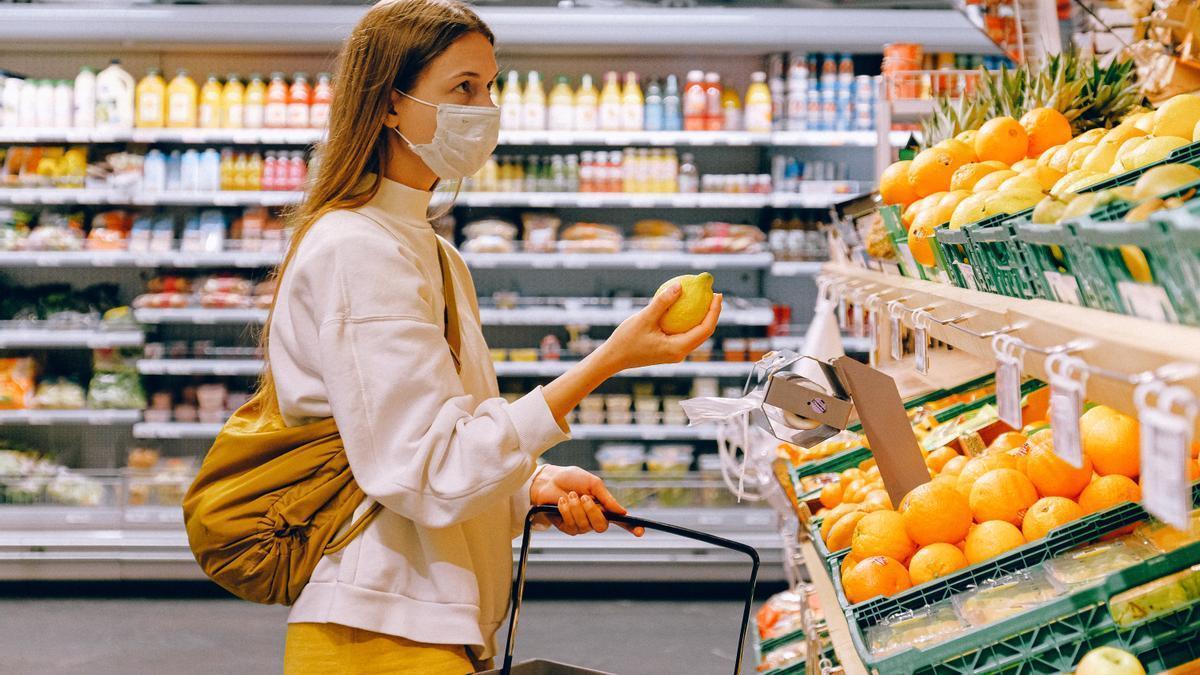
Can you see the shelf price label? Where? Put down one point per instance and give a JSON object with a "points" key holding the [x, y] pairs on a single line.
{"points": [[895, 309], [1166, 425], [1009, 356], [1068, 385]]}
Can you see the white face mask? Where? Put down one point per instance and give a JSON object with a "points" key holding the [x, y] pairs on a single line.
{"points": [[465, 137]]}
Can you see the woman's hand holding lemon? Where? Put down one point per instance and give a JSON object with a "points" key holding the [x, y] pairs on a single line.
{"points": [[680, 317]]}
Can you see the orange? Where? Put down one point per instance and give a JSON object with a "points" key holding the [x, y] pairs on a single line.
{"points": [[931, 170], [1005, 442], [1051, 475], [955, 466], [978, 466], [935, 560], [1021, 458], [856, 491], [935, 512], [874, 576], [831, 494], [1110, 438], [1107, 491], [1003, 139], [990, 539], [1193, 470], [866, 464], [920, 242], [962, 151], [878, 500], [967, 175], [841, 534], [834, 515], [882, 533], [1046, 514], [938, 459], [1037, 406], [894, 187], [1002, 494], [911, 211], [1046, 128], [948, 481], [848, 564]]}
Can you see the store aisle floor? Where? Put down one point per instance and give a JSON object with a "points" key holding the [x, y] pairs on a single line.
{"points": [[124, 636]]}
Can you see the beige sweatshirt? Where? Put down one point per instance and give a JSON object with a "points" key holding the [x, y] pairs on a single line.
{"points": [[358, 335]]}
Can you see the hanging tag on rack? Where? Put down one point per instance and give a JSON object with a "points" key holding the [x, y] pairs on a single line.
{"points": [[856, 318], [895, 329], [873, 338], [1008, 380], [1166, 439], [921, 341], [841, 312], [1068, 383]]}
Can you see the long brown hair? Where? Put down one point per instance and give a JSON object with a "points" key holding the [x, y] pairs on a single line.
{"points": [[387, 50]]}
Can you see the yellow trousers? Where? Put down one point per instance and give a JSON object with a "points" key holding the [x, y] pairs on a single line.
{"points": [[320, 648]]}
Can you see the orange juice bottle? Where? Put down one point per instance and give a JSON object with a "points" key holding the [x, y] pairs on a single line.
{"points": [[318, 113], [181, 102], [299, 100], [151, 101], [276, 104], [254, 111], [233, 103], [240, 181], [209, 115], [633, 104], [254, 170], [757, 114]]}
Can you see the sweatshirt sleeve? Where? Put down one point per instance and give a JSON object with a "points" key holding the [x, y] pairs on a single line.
{"points": [[416, 441]]}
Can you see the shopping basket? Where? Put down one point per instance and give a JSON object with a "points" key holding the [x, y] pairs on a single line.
{"points": [[545, 667]]}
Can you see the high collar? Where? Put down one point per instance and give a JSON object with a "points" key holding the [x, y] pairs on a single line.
{"points": [[398, 203]]}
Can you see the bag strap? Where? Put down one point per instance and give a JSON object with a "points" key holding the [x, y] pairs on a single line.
{"points": [[453, 329]]}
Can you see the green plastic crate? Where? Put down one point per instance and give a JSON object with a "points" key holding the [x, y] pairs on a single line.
{"points": [[1162, 299], [979, 650], [1183, 226], [953, 253], [1051, 253], [1001, 257], [898, 235]]}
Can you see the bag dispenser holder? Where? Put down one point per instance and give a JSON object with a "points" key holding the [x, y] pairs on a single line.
{"points": [[802, 411]]}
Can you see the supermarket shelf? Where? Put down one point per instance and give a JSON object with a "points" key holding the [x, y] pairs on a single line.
{"points": [[625, 260], [194, 430], [1117, 344], [39, 338], [57, 417], [525, 316], [247, 259], [182, 136], [911, 110], [219, 367], [61, 542], [172, 430], [795, 268], [838, 626], [88, 196], [582, 200], [607, 316], [684, 369]]}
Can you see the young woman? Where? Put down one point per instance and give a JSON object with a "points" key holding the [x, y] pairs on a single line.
{"points": [[359, 332]]}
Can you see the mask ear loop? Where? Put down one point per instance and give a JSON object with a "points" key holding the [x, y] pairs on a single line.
{"points": [[445, 211]]}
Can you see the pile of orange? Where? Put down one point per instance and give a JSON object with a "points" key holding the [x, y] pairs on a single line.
{"points": [[976, 508]]}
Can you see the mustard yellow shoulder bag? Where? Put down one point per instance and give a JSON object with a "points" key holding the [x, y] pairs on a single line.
{"points": [[270, 500]]}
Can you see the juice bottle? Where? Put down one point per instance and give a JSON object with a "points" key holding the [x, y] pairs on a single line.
{"points": [[275, 106], [672, 106], [610, 103], [510, 102], [254, 110], [114, 97], [233, 103], [239, 171], [561, 116], [653, 115], [151, 101], [226, 169], [181, 101], [632, 104], [758, 104], [695, 104], [297, 171], [318, 114], [587, 101], [731, 108], [299, 100], [85, 99], [63, 111], [254, 169], [714, 118], [533, 104], [267, 182], [209, 115], [45, 103]]}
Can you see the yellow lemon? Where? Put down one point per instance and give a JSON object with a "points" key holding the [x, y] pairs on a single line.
{"points": [[993, 180], [692, 305]]}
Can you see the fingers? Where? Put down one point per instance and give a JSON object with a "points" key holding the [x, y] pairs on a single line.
{"points": [[696, 336], [566, 513], [635, 531], [595, 516], [661, 302], [604, 497]]}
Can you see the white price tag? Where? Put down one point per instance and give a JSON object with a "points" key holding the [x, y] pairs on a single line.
{"points": [[921, 345], [1008, 379], [1147, 301], [1068, 384], [856, 319], [841, 313], [896, 338], [912, 269], [1065, 288], [1166, 439], [873, 338], [968, 275]]}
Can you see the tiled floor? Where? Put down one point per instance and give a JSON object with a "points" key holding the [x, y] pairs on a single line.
{"points": [[169, 636]]}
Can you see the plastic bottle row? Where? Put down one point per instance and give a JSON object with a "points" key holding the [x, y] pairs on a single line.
{"points": [[209, 170], [112, 100]]}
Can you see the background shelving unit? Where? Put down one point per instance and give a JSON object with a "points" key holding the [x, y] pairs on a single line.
{"points": [[147, 541]]}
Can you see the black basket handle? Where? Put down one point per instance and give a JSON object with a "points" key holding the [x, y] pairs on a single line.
{"points": [[631, 521]]}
